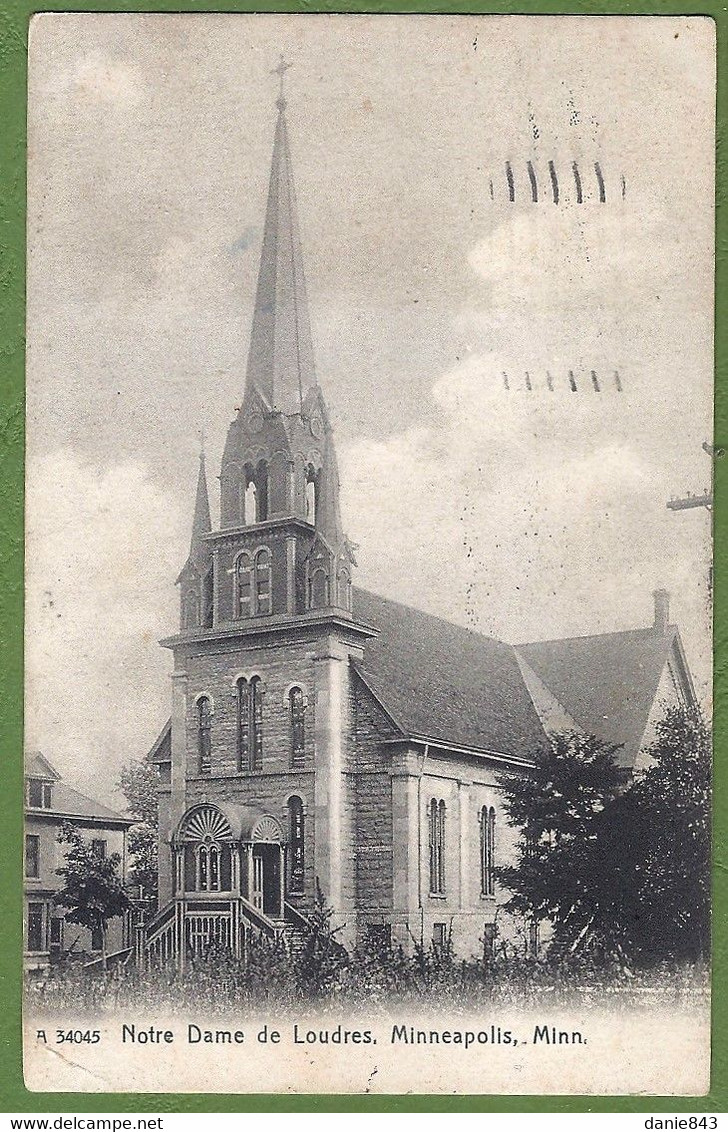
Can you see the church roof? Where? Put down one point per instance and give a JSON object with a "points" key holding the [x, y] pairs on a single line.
{"points": [[280, 360], [607, 682], [443, 682]]}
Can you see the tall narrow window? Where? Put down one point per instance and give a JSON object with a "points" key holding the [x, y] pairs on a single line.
{"points": [[261, 484], [250, 501], [208, 599], [32, 855], [98, 848], [35, 927], [256, 716], [436, 839], [204, 734], [250, 724], [243, 585], [319, 589], [297, 708], [487, 851], [243, 699], [192, 610], [296, 846], [311, 495], [263, 581]]}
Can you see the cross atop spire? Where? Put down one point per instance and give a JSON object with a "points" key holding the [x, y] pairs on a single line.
{"points": [[280, 70]]}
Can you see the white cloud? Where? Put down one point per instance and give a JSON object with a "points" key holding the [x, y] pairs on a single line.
{"points": [[103, 549]]}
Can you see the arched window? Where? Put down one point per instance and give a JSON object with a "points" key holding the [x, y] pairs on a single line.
{"points": [[191, 610], [345, 589], [263, 602], [250, 498], [319, 589], [296, 844], [256, 716], [297, 708], [436, 839], [243, 585], [311, 494], [206, 852], [243, 705], [204, 734], [208, 599], [261, 484], [250, 724], [487, 851]]}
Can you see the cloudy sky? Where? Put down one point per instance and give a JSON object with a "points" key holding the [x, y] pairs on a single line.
{"points": [[524, 513]]}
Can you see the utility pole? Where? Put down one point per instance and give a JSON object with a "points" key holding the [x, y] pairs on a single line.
{"points": [[704, 499]]}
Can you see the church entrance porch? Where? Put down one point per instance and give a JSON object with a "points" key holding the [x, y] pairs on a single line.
{"points": [[229, 882]]}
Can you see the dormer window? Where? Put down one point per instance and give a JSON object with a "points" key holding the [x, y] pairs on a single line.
{"points": [[39, 794]]}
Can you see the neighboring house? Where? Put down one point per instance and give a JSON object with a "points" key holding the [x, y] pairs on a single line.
{"points": [[48, 803], [322, 734]]}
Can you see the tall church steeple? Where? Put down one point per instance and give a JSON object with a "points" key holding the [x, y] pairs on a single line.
{"points": [[279, 465], [280, 359]]}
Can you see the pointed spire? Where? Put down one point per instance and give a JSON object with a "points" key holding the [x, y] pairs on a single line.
{"points": [[280, 361], [201, 524]]}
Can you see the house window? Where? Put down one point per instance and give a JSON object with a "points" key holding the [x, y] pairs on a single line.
{"points": [[39, 794], [35, 927], [296, 845], [436, 838], [263, 582], [97, 939], [297, 708], [32, 855], [98, 848], [439, 936], [487, 851], [204, 734], [250, 724]]}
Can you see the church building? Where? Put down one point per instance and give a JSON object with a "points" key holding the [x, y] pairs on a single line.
{"points": [[325, 737]]}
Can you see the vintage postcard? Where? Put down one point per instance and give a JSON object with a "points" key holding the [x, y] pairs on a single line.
{"points": [[369, 584]]}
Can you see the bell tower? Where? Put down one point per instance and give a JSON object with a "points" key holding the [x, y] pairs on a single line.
{"points": [[262, 684], [279, 481]]}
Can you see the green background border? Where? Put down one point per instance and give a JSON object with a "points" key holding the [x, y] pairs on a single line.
{"points": [[14, 17]]}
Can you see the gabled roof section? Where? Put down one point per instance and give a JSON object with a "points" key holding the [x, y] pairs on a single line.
{"points": [[439, 681], [37, 766], [161, 751], [67, 802], [608, 682], [280, 361], [70, 802]]}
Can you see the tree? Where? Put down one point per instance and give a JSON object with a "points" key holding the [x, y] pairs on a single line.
{"points": [[93, 890], [558, 875], [671, 799], [138, 783]]}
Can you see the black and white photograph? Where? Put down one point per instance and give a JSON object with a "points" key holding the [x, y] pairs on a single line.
{"points": [[369, 554]]}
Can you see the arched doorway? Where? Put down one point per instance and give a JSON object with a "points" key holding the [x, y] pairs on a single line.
{"points": [[266, 872]]}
